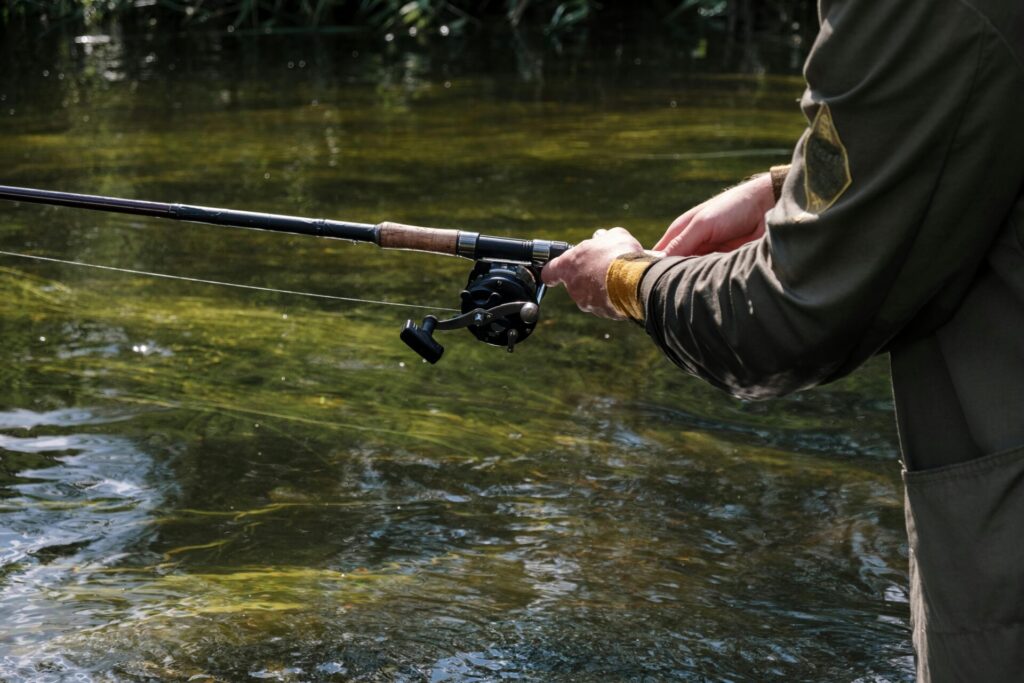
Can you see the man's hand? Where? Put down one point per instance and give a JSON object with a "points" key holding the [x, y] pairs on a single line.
{"points": [[583, 270], [722, 223]]}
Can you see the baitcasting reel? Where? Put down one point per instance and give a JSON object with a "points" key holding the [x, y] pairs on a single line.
{"points": [[500, 306]]}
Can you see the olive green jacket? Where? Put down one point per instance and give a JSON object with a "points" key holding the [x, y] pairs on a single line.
{"points": [[900, 228]]}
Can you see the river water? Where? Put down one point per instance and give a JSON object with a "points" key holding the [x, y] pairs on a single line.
{"points": [[204, 483]]}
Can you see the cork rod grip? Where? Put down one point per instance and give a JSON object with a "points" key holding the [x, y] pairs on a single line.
{"points": [[436, 240]]}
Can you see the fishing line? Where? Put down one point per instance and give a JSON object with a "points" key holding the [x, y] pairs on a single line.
{"points": [[723, 154], [184, 278]]}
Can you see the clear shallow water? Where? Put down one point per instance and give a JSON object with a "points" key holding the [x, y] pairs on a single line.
{"points": [[212, 484]]}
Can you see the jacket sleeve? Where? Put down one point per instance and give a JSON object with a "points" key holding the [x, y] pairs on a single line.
{"points": [[898, 186]]}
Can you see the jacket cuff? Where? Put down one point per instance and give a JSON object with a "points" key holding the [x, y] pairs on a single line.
{"points": [[779, 174], [623, 283]]}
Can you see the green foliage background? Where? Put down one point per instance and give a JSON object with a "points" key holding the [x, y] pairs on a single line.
{"points": [[555, 17]]}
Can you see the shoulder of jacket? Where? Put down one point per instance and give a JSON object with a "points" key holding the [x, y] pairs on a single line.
{"points": [[1004, 19]]}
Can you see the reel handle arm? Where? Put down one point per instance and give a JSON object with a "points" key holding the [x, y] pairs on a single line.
{"points": [[420, 338]]}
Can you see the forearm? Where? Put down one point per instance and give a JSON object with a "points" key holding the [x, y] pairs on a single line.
{"points": [[728, 319]]}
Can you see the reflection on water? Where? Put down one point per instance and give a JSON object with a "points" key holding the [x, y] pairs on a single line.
{"points": [[199, 483]]}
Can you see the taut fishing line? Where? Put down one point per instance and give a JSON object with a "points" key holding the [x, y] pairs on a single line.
{"points": [[257, 288]]}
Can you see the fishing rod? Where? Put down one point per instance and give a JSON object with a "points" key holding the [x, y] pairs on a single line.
{"points": [[500, 304]]}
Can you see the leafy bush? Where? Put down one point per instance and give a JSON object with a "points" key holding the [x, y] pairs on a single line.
{"points": [[556, 17]]}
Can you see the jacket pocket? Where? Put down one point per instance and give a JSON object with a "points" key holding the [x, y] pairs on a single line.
{"points": [[965, 524]]}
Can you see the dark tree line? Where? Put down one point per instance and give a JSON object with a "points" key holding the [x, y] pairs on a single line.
{"points": [[732, 17]]}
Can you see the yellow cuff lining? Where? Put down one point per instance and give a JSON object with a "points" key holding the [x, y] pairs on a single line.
{"points": [[779, 174], [623, 283]]}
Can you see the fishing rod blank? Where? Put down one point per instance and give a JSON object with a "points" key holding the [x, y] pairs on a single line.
{"points": [[388, 235], [501, 300]]}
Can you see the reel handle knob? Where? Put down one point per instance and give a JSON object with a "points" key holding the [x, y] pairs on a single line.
{"points": [[421, 339]]}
